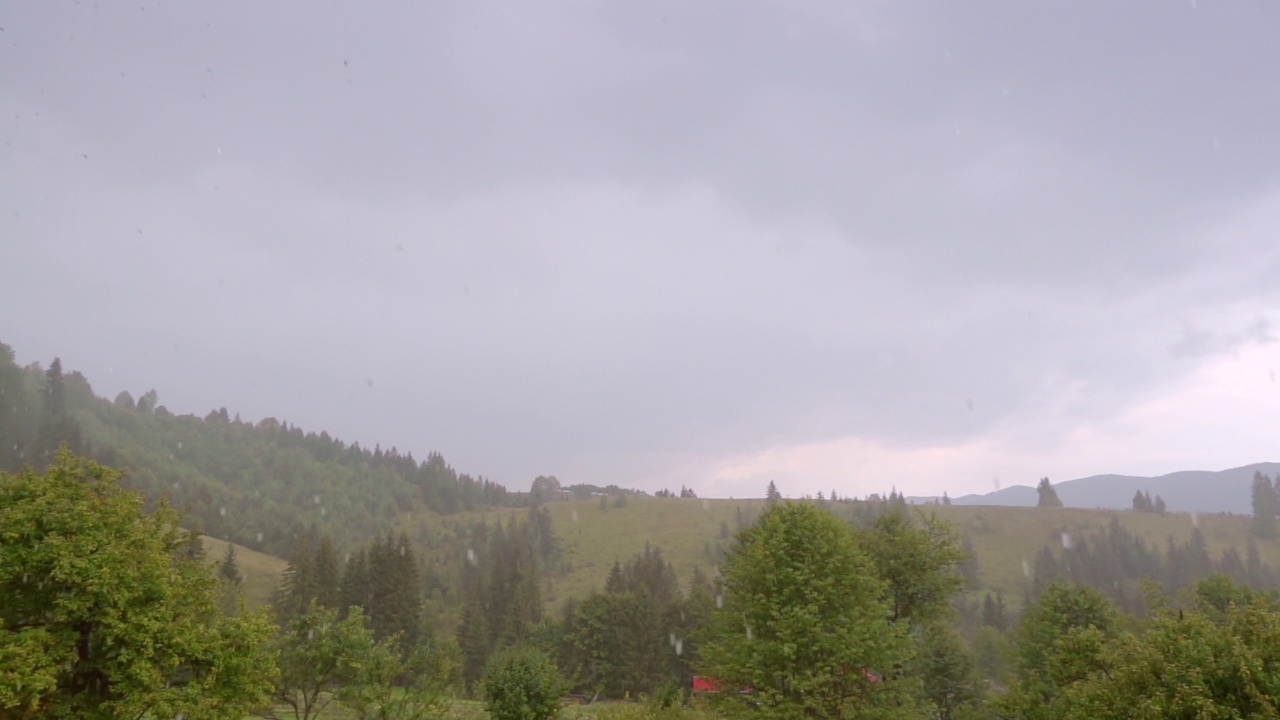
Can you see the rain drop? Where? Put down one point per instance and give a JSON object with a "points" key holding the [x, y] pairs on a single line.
{"points": [[471, 556], [575, 516], [1195, 519], [316, 499], [323, 511], [719, 601], [749, 636], [222, 511], [672, 639], [706, 504], [401, 549], [1066, 540], [679, 647], [1026, 569], [259, 537], [179, 444], [311, 634]]}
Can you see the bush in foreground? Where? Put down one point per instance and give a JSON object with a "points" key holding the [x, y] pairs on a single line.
{"points": [[522, 683]]}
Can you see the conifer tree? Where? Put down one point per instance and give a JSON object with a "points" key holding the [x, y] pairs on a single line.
{"points": [[1264, 506], [327, 579], [298, 586], [1048, 497]]}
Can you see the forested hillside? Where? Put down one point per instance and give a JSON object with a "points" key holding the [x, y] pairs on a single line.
{"points": [[262, 485]]}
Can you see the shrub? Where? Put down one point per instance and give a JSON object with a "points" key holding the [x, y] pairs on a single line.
{"points": [[522, 683]]}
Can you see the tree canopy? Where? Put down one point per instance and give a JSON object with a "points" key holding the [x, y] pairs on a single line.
{"points": [[803, 621], [105, 614]]}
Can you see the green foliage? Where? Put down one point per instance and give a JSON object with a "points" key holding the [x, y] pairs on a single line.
{"points": [[502, 591], [630, 639], [1188, 664], [522, 683], [106, 614], [947, 670], [1058, 642], [917, 564], [390, 686], [318, 655], [803, 617]]}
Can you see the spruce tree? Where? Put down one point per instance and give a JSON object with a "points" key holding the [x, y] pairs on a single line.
{"points": [[1048, 497], [326, 575], [298, 586], [1264, 506]]}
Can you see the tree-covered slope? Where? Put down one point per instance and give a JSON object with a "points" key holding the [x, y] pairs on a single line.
{"points": [[260, 485]]}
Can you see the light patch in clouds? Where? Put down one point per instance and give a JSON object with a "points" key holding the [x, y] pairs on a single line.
{"points": [[1223, 411]]}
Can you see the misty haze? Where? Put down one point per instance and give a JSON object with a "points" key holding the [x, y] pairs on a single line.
{"points": [[580, 343]]}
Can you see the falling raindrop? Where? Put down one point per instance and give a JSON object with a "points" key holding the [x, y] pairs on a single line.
{"points": [[679, 647], [222, 511], [401, 551], [311, 634], [1066, 540], [315, 499], [259, 537], [471, 556], [672, 639], [179, 444], [323, 511], [719, 601], [706, 504], [749, 632], [347, 559], [1195, 519], [1026, 569], [575, 516]]}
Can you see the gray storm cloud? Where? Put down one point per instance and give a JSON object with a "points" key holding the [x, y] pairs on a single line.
{"points": [[580, 238]]}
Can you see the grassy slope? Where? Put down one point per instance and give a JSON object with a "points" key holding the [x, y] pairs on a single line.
{"points": [[1002, 537], [593, 538], [261, 571]]}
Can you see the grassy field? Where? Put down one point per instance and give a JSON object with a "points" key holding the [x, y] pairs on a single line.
{"points": [[261, 572]]}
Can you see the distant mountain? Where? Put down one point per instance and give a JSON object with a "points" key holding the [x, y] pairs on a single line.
{"points": [[1185, 491]]}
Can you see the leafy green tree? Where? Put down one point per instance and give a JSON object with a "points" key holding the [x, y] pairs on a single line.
{"points": [[1187, 665], [917, 564], [803, 618], [318, 655], [390, 686], [102, 615], [1058, 642], [1048, 497], [522, 683]]}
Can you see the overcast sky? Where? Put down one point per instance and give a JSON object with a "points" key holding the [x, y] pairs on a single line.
{"points": [[849, 245]]}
